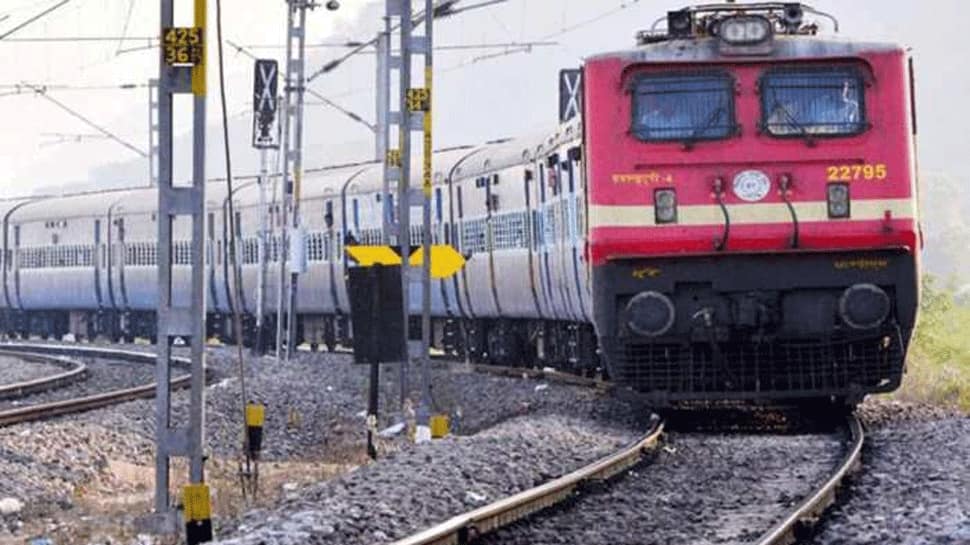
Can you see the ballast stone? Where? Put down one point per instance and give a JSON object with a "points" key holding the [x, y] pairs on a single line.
{"points": [[10, 506]]}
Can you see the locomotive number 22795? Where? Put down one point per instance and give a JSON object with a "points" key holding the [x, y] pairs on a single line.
{"points": [[848, 173]]}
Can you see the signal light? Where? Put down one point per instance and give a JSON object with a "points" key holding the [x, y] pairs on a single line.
{"points": [[665, 206], [839, 202]]}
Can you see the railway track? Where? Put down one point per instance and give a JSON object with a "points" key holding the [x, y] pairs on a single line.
{"points": [[811, 509], [533, 504], [74, 371], [63, 355]]}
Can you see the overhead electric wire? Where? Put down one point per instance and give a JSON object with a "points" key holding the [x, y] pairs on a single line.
{"points": [[451, 47], [63, 138], [22, 87], [444, 8], [34, 18], [39, 91], [564, 30], [124, 30], [80, 39]]}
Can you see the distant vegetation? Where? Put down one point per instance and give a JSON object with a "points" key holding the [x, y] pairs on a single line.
{"points": [[939, 361], [945, 208]]}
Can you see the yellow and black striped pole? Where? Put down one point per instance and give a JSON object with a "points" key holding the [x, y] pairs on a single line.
{"points": [[255, 416], [198, 513]]}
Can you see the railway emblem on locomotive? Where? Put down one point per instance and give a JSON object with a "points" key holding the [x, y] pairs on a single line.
{"points": [[751, 185]]}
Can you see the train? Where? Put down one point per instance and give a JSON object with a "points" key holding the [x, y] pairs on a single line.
{"points": [[725, 211]]}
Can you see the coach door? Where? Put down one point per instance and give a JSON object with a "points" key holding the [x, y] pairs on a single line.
{"points": [[116, 262], [573, 232], [97, 266]]}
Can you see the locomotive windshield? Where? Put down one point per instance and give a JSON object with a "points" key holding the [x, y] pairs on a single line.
{"points": [[813, 102], [683, 107]]}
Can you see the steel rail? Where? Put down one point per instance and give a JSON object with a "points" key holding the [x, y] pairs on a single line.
{"points": [[70, 406], [469, 526], [76, 371], [811, 509]]}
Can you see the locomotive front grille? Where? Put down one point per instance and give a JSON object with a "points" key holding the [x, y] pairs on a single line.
{"points": [[758, 370]]}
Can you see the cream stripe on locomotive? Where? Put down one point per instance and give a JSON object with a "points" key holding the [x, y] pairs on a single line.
{"points": [[741, 214]]}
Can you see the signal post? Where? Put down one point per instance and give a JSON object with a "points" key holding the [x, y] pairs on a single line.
{"points": [[182, 70]]}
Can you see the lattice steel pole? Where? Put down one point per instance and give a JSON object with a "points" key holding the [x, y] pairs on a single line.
{"points": [[182, 71], [293, 167], [397, 164], [383, 134], [424, 406]]}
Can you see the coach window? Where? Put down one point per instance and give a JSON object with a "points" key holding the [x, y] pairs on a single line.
{"points": [[809, 102], [683, 107]]}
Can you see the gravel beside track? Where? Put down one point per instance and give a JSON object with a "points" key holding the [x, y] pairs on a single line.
{"points": [[103, 376], [915, 487], [315, 404], [314, 427], [422, 486], [14, 370], [699, 489]]}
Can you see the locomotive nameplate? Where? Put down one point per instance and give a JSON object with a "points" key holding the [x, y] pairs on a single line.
{"points": [[182, 46], [643, 178]]}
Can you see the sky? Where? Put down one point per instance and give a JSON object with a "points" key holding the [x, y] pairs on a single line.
{"points": [[476, 99]]}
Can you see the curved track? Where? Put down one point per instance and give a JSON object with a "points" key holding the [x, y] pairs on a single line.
{"points": [[62, 354], [468, 527], [74, 371], [811, 508]]}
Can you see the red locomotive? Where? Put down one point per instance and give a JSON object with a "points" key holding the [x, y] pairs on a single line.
{"points": [[753, 228]]}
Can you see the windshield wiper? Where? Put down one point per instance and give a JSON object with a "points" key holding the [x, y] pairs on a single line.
{"points": [[695, 135], [793, 122]]}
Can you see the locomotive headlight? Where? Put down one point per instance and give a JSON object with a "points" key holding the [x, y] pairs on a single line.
{"points": [[650, 314], [864, 306], [665, 206], [840, 205], [746, 30]]}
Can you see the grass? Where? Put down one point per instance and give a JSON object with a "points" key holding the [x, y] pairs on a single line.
{"points": [[938, 367]]}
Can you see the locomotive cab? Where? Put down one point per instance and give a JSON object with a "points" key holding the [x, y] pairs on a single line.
{"points": [[752, 208]]}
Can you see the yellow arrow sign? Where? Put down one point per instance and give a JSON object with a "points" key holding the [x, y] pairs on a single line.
{"points": [[445, 260], [368, 256]]}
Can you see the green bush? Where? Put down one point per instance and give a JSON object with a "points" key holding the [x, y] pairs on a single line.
{"points": [[938, 366]]}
